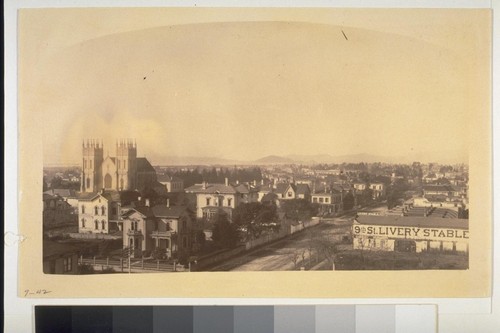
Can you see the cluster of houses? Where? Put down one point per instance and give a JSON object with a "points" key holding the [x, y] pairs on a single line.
{"points": [[115, 199]]}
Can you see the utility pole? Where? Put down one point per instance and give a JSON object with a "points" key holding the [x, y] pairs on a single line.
{"points": [[129, 255]]}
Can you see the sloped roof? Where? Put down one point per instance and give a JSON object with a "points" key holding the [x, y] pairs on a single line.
{"points": [[212, 188], [144, 210], [86, 195], [163, 178], [172, 211], [62, 192], [281, 187], [241, 188], [47, 196], [414, 221], [303, 189], [111, 195], [126, 197], [269, 197], [143, 165]]}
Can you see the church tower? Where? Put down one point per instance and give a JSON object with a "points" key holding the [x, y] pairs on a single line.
{"points": [[91, 180], [126, 164]]}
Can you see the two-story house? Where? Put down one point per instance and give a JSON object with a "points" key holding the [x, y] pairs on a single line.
{"points": [[329, 201], [210, 198], [99, 212], [160, 227]]}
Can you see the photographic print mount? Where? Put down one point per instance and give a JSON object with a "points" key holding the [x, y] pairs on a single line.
{"points": [[345, 97]]}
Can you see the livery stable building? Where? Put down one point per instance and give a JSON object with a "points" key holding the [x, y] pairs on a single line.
{"points": [[410, 234]]}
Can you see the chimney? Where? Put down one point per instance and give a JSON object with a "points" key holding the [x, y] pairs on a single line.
{"points": [[204, 185], [226, 181], [262, 181], [168, 202], [146, 203], [254, 183], [237, 182]]}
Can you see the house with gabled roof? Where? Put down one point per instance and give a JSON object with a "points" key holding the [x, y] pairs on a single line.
{"points": [[99, 212], [210, 198], [162, 228], [285, 191]]}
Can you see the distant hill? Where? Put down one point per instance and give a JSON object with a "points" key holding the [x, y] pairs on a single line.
{"points": [[273, 159], [443, 157]]}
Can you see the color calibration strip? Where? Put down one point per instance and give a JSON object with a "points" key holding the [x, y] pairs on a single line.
{"points": [[237, 319]]}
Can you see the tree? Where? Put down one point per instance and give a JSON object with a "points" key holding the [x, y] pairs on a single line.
{"points": [[299, 209], [224, 234], [367, 196], [348, 201], [255, 217], [56, 182]]}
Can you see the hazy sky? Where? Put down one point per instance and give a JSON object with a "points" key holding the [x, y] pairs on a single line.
{"points": [[243, 84]]}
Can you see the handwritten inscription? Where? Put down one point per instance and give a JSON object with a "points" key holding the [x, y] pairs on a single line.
{"points": [[29, 292]]}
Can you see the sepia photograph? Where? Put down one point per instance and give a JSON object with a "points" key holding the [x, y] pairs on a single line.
{"points": [[217, 143]]}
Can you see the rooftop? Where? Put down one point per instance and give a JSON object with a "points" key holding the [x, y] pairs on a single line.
{"points": [[414, 221]]}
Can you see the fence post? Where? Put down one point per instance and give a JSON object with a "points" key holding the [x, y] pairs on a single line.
{"points": [[175, 266], [121, 264], [94, 260], [81, 259]]}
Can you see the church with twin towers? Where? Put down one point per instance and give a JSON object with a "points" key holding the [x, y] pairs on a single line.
{"points": [[122, 172]]}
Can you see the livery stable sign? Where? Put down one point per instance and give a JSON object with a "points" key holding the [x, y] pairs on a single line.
{"points": [[410, 232]]}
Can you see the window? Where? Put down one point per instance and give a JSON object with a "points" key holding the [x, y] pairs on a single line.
{"points": [[68, 263], [136, 225], [290, 194], [118, 164], [96, 210], [132, 225], [326, 200], [85, 164], [103, 210], [103, 225], [88, 182], [184, 225], [321, 200], [113, 210], [90, 164], [229, 201], [208, 201], [125, 164], [96, 225], [83, 209], [83, 223], [315, 199]]}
